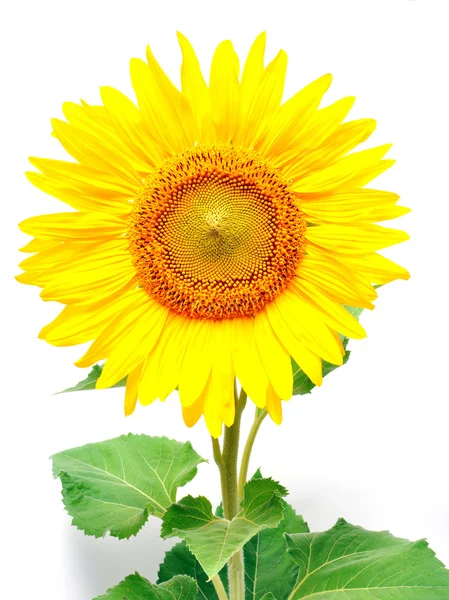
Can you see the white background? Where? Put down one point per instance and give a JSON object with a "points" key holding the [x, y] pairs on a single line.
{"points": [[371, 444]]}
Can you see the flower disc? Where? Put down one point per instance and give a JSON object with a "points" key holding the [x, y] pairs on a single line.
{"points": [[216, 233]]}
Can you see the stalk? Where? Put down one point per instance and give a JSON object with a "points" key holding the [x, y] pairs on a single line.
{"points": [[219, 588], [243, 475], [227, 464]]}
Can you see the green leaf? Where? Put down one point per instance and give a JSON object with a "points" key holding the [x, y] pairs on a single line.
{"points": [[180, 561], [135, 587], [257, 474], [301, 382], [269, 597], [91, 380], [350, 563], [213, 540], [113, 486], [268, 567]]}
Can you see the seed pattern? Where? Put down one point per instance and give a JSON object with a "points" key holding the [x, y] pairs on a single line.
{"points": [[216, 233]]}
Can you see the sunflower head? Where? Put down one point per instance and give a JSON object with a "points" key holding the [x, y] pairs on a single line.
{"points": [[212, 232]]}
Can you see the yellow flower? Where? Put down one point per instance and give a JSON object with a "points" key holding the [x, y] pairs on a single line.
{"points": [[216, 233]]}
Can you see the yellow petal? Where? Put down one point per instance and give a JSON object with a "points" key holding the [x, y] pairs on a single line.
{"points": [[221, 384], [225, 91], [141, 309], [376, 268], [211, 409], [89, 118], [193, 84], [247, 363], [320, 270], [307, 325], [194, 88], [89, 150], [274, 405], [86, 178], [266, 98], [334, 315], [253, 70], [132, 384], [354, 170], [128, 126], [170, 366], [191, 414], [217, 397], [354, 239], [352, 207], [89, 199], [178, 108], [79, 324], [309, 362], [345, 137], [73, 226], [293, 117], [82, 273], [97, 121], [275, 358], [71, 258], [27, 278], [134, 344], [38, 245], [54, 255], [147, 390], [88, 288], [197, 362], [157, 382], [168, 116], [323, 124]]}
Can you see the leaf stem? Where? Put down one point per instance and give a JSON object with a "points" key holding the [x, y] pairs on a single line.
{"points": [[243, 475], [229, 487], [217, 453], [219, 588]]}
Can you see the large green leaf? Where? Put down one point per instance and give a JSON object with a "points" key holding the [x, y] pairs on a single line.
{"points": [[350, 563], [113, 486], [91, 380], [301, 382], [214, 540], [135, 587], [180, 561], [268, 567]]}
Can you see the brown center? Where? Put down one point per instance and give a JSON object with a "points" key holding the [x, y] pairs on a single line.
{"points": [[216, 233]]}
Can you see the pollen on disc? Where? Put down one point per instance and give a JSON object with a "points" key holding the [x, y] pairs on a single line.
{"points": [[216, 233]]}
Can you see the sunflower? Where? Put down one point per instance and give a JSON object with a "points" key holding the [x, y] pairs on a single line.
{"points": [[216, 232]]}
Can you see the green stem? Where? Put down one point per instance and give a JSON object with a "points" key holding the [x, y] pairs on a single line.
{"points": [[229, 458], [219, 588], [243, 475], [236, 574], [229, 487]]}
